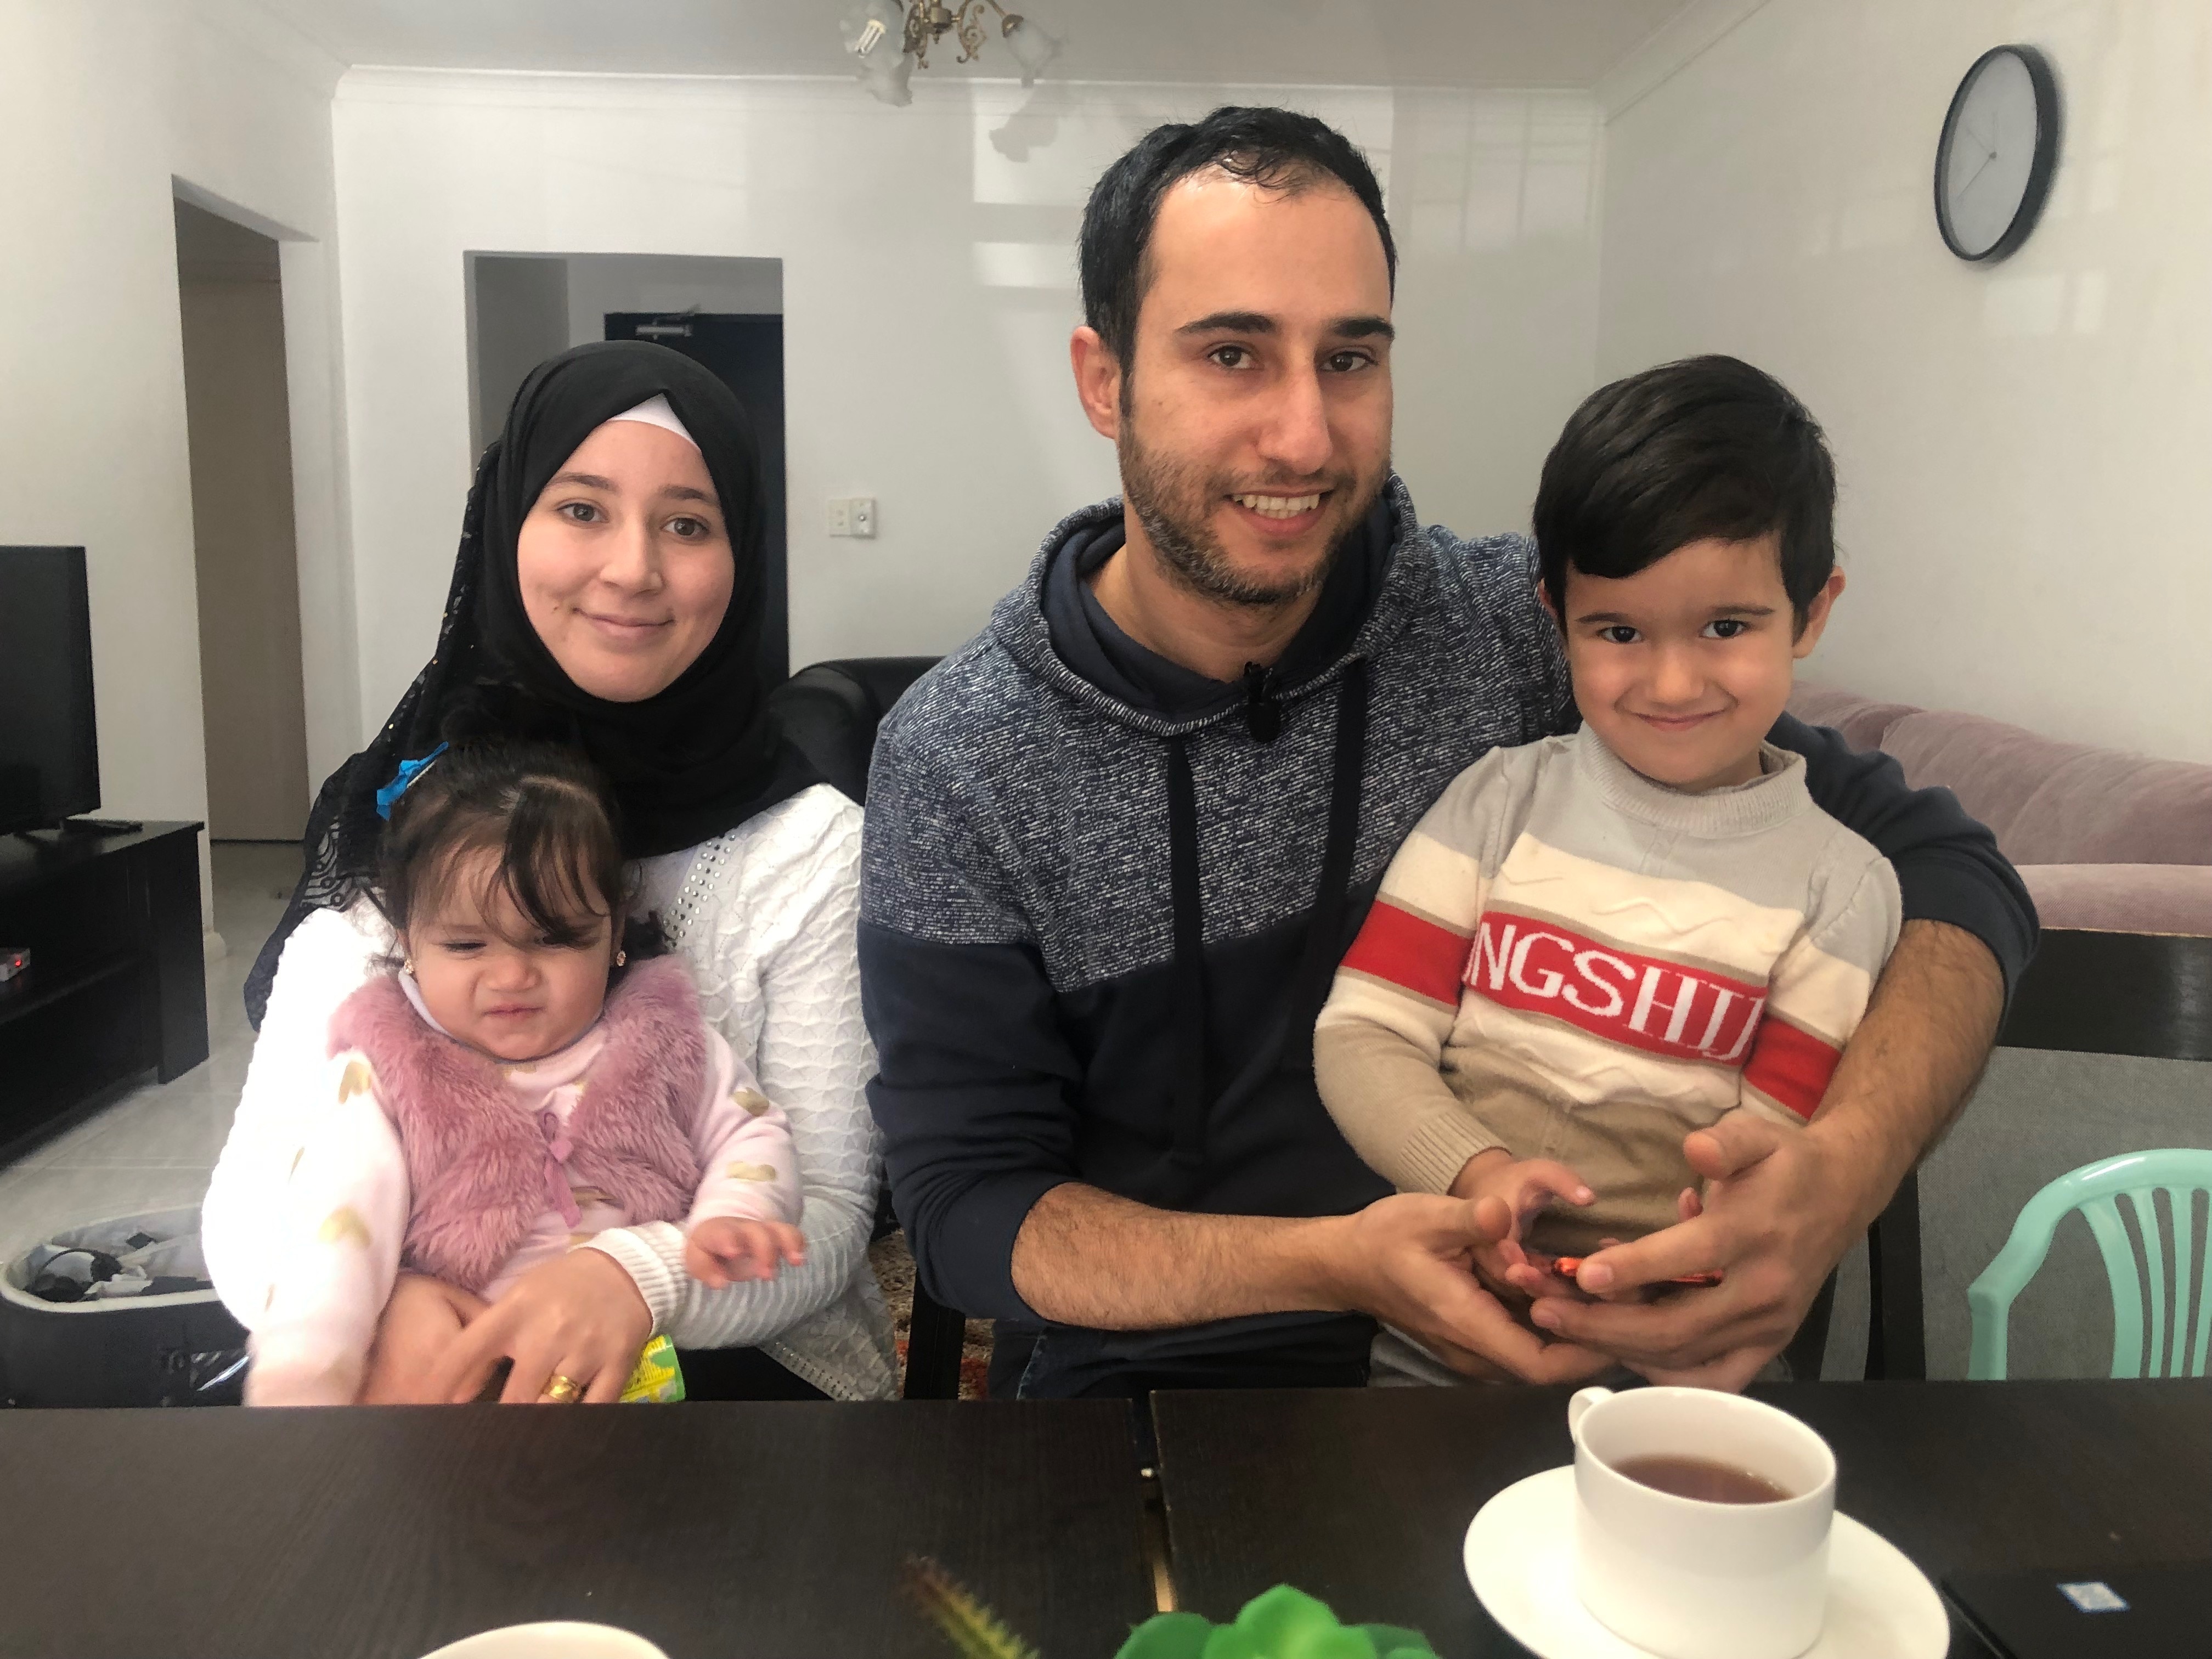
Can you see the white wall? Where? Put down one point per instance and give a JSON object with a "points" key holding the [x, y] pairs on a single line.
{"points": [[2023, 447], [928, 290], [101, 108]]}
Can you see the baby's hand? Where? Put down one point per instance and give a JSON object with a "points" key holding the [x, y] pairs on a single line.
{"points": [[725, 1249], [1507, 1193]]}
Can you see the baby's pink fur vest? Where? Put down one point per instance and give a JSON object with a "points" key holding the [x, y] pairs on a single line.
{"points": [[475, 1162]]}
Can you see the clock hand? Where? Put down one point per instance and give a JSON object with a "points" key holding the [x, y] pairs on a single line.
{"points": [[1978, 172]]}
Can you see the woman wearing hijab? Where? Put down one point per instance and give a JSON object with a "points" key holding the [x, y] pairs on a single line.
{"points": [[608, 593]]}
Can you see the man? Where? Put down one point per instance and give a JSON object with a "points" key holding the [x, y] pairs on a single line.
{"points": [[1117, 844]]}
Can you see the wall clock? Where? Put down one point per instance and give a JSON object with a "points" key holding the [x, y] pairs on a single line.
{"points": [[1999, 148]]}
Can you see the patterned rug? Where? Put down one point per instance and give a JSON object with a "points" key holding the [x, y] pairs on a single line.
{"points": [[895, 1273]]}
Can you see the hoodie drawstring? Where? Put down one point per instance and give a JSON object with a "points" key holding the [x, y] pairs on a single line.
{"points": [[1193, 1092], [1317, 957], [1325, 943]]}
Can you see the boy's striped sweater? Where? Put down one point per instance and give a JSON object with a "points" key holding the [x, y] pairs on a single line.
{"points": [[1572, 962]]}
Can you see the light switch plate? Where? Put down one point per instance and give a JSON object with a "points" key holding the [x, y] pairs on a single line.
{"points": [[853, 515]]}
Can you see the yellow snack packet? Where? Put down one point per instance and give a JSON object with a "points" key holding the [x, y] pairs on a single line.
{"points": [[658, 1380]]}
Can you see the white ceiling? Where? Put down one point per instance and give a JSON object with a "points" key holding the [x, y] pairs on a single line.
{"points": [[1517, 43]]}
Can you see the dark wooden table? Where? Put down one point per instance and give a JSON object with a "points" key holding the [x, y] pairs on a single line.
{"points": [[1362, 1497], [767, 1529]]}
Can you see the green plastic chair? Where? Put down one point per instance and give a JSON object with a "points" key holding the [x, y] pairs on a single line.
{"points": [[2094, 1189]]}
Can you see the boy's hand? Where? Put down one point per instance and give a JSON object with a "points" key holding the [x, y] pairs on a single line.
{"points": [[1409, 1260], [1507, 1193], [1688, 1206], [1762, 1178], [725, 1249]]}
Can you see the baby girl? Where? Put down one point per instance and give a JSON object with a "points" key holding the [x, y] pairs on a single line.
{"points": [[515, 1087]]}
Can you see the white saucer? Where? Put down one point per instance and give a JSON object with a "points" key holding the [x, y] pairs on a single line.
{"points": [[561, 1639], [1519, 1558]]}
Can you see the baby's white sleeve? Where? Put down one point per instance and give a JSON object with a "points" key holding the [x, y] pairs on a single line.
{"points": [[747, 1168], [327, 959], [333, 1249]]}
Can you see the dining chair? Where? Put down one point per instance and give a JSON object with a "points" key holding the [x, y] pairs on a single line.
{"points": [[2143, 995], [2095, 1190]]}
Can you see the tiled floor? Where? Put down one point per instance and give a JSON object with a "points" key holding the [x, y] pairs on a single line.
{"points": [[154, 1148]]}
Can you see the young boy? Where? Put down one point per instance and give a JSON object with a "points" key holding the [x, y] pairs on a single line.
{"points": [[1593, 945]]}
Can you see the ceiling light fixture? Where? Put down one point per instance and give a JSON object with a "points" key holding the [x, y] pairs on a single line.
{"points": [[892, 38]]}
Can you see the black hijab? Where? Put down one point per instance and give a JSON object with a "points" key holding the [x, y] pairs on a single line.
{"points": [[693, 760]]}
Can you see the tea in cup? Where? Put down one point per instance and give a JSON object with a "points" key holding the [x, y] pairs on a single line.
{"points": [[1701, 1522]]}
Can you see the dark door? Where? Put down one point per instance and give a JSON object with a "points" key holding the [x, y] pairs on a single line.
{"points": [[746, 353]]}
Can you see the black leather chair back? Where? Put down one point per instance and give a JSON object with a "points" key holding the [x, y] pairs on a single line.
{"points": [[831, 710]]}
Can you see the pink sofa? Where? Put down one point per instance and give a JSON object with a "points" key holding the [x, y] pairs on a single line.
{"points": [[2105, 841]]}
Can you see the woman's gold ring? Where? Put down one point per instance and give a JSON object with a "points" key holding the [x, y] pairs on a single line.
{"points": [[563, 1390]]}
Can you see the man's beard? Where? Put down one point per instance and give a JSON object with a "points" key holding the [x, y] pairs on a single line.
{"points": [[1174, 504]]}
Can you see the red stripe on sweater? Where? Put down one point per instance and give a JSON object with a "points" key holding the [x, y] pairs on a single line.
{"points": [[1790, 1065], [1647, 1003], [1415, 954]]}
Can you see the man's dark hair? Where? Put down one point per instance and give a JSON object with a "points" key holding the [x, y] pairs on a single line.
{"points": [[1708, 447], [1277, 150]]}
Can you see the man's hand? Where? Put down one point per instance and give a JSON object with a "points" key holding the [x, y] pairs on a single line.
{"points": [[1782, 1204], [1085, 1257], [728, 1249], [1407, 1261], [1507, 1193], [578, 1317], [422, 1318], [1769, 1220]]}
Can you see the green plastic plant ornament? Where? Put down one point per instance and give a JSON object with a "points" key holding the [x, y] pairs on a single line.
{"points": [[1277, 1624]]}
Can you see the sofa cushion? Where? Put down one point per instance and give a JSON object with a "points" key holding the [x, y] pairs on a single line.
{"points": [[2060, 803], [2123, 898], [1864, 722]]}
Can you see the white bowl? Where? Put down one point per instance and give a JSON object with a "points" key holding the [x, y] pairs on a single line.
{"points": [[560, 1639]]}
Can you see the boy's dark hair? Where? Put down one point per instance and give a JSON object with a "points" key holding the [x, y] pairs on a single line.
{"points": [[1708, 447], [1277, 150], [544, 809]]}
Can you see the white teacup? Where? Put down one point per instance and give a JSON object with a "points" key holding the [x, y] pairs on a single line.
{"points": [[1688, 1578]]}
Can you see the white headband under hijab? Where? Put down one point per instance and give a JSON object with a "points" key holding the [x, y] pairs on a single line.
{"points": [[655, 411]]}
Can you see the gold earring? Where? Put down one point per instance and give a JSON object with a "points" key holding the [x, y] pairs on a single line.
{"points": [[621, 957], [407, 966]]}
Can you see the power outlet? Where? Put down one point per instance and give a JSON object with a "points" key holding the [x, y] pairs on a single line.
{"points": [[853, 515]]}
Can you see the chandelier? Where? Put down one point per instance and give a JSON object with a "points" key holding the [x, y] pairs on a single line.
{"points": [[892, 38]]}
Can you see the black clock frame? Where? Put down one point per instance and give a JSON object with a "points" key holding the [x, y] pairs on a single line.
{"points": [[2045, 161]]}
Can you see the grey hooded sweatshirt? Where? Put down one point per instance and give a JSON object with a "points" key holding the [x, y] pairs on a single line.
{"points": [[1101, 909]]}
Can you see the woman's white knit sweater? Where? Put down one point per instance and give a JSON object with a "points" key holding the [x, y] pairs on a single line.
{"points": [[765, 913]]}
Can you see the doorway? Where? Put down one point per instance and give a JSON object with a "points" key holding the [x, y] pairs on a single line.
{"points": [[239, 427]]}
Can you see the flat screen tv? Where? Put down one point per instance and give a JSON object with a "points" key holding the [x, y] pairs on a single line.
{"points": [[49, 751]]}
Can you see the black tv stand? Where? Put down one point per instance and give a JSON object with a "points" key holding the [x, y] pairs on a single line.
{"points": [[116, 984], [79, 827]]}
